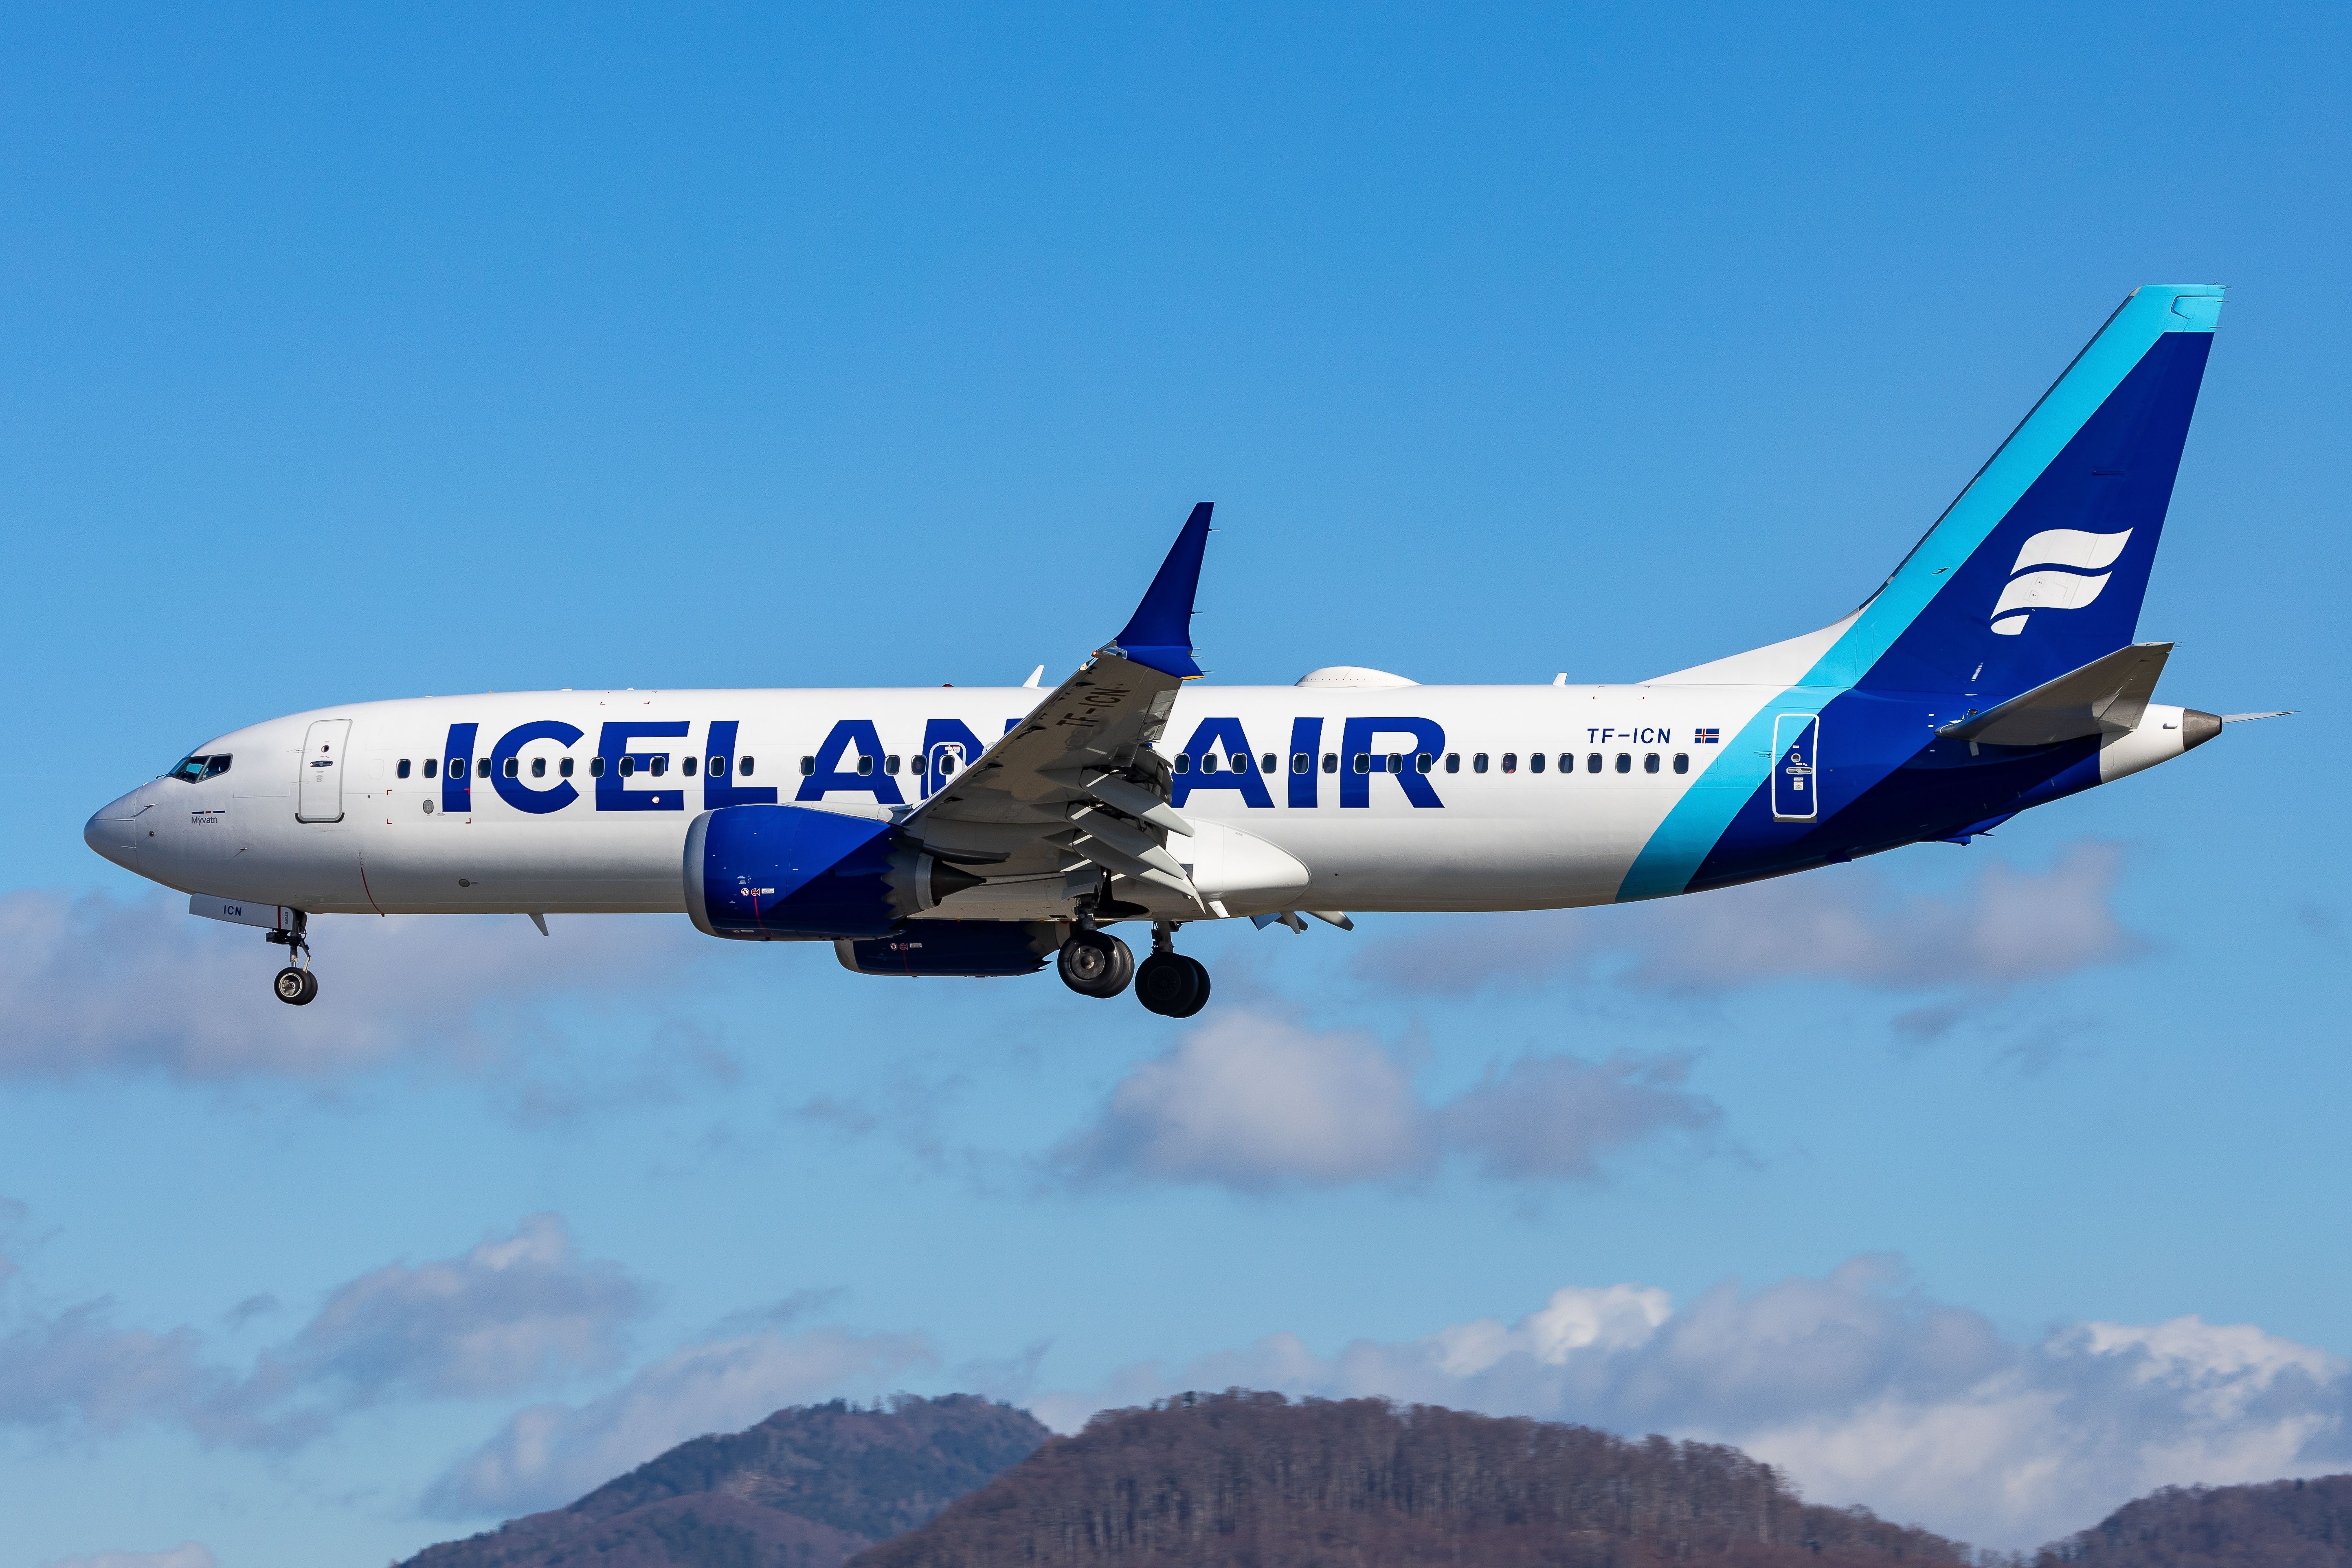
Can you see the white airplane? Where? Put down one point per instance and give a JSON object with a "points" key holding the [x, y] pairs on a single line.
{"points": [[983, 831]]}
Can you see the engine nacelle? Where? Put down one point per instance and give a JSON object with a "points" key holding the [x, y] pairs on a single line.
{"points": [[974, 948], [794, 873]]}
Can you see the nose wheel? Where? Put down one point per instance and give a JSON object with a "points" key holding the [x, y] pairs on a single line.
{"points": [[295, 984], [1168, 983]]}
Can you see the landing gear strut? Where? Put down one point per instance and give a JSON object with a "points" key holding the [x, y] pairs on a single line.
{"points": [[1168, 983], [295, 984]]}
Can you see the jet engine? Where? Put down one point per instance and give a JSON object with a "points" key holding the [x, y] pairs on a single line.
{"points": [[795, 873]]}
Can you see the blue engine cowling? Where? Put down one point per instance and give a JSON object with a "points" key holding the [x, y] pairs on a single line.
{"points": [[794, 873], [973, 948]]}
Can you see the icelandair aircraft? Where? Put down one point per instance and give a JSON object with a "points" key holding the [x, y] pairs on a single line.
{"points": [[984, 832]]}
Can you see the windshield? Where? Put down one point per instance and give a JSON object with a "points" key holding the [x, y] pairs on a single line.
{"points": [[194, 769]]}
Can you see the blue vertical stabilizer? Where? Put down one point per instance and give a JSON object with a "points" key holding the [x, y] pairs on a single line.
{"points": [[2041, 564]]}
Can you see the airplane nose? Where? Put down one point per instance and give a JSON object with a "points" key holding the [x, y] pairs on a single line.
{"points": [[113, 832]]}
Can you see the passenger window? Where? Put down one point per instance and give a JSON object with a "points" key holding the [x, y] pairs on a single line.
{"points": [[402, 771], [1567, 762], [1330, 761], [482, 768], [514, 767], [743, 768], [538, 767], [1423, 763], [564, 767], [1363, 762], [889, 764], [1269, 764], [1396, 761], [1453, 762], [808, 766], [1510, 762], [1240, 762], [1300, 762], [596, 767], [661, 764], [432, 767], [1534, 761], [1650, 763], [1208, 761], [864, 767], [1624, 761], [1682, 762], [457, 766], [1183, 761], [686, 766], [1593, 764], [628, 766], [1478, 763]]}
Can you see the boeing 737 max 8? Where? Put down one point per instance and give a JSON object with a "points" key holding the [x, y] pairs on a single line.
{"points": [[984, 832]]}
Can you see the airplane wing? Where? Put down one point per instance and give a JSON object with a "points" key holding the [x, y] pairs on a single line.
{"points": [[1074, 790]]}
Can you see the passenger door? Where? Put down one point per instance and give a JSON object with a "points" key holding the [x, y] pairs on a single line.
{"points": [[1796, 785], [319, 791]]}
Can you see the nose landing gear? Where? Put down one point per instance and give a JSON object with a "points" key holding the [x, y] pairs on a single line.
{"points": [[295, 984], [1168, 983]]}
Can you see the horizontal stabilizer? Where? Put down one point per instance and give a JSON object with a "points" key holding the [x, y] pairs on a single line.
{"points": [[2105, 697]]}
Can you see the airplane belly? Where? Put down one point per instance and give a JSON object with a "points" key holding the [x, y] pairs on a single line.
{"points": [[448, 863]]}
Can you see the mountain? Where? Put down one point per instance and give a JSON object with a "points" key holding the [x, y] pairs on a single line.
{"points": [[807, 1488], [2279, 1524], [1252, 1480]]}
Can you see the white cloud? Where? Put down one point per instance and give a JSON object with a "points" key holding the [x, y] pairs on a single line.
{"points": [[550, 1454], [1551, 1117], [1251, 1102], [1257, 1103], [1865, 1390], [517, 1312], [94, 984], [187, 1554], [2004, 927]]}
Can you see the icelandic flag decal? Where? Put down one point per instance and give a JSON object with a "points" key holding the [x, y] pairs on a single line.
{"points": [[1707, 737]]}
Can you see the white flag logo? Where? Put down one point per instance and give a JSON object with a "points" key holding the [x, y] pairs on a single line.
{"points": [[2033, 587]]}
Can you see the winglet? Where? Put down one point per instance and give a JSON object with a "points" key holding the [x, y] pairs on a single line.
{"points": [[1159, 633]]}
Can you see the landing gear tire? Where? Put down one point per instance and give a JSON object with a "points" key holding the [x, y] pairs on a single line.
{"points": [[295, 987], [1171, 985], [1093, 965]]}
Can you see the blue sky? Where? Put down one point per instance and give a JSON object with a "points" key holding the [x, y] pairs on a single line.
{"points": [[368, 356]]}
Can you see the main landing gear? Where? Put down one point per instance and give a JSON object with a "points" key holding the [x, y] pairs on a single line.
{"points": [[1092, 962], [295, 984], [1168, 983]]}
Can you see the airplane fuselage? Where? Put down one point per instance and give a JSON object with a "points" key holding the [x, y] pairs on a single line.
{"points": [[1534, 797]]}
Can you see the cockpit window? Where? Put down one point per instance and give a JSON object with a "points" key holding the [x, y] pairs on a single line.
{"points": [[196, 769]]}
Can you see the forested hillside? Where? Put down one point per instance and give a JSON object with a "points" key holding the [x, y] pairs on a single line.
{"points": [[1253, 1480], [2279, 1524], [805, 1489]]}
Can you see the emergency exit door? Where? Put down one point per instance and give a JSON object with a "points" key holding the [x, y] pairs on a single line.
{"points": [[318, 792], [1796, 783]]}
